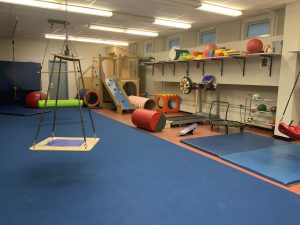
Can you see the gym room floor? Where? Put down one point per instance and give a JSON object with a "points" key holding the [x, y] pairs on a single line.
{"points": [[170, 134]]}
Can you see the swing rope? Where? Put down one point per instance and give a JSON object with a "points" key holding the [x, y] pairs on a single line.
{"points": [[296, 81], [13, 58], [78, 72]]}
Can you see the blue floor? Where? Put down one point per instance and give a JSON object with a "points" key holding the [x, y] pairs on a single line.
{"points": [[279, 163], [130, 178], [232, 143]]}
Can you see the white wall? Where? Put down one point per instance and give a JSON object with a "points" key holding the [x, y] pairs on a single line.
{"points": [[289, 67], [32, 50], [233, 87], [230, 31]]}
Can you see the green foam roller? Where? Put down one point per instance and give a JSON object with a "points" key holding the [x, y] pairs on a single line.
{"points": [[60, 103]]}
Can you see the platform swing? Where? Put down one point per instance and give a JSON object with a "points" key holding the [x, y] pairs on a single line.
{"points": [[68, 53], [289, 130]]}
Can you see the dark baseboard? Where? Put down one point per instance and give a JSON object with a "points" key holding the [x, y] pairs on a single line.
{"points": [[282, 138]]}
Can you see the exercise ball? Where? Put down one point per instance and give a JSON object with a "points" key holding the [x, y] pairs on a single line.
{"points": [[254, 46], [273, 109], [209, 47], [256, 96], [262, 108], [33, 97]]}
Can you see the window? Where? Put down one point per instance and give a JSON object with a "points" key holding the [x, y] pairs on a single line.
{"points": [[149, 47], [259, 28], [174, 42], [208, 37]]}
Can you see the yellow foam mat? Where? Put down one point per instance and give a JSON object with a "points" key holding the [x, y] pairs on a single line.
{"points": [[42, 146]]}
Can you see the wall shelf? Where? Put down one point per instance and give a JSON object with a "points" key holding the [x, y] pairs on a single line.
{"points": [[240, 59]]}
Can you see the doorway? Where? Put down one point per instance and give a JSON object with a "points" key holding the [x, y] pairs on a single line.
{"points": [[63, 86]]}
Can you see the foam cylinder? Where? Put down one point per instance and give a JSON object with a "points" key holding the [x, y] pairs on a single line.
{"points": [[148, 120], [91, 98], [142, 103], [60, 103], [175, 53]]}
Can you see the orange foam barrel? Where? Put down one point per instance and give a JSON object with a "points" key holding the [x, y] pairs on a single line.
{"points": [[91, 98], [146, 119]]}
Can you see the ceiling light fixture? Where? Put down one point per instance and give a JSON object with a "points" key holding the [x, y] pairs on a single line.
{"points": [[84, 39], [219, 9], [123, 30], [170, 23], [60, 7], [111, 29], [142, 33]]}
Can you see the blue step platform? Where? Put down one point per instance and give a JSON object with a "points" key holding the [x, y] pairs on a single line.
{"points": [[278, 163], [232, 143]]}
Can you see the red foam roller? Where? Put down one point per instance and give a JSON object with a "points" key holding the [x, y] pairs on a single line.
{"points": [[146, 119]]}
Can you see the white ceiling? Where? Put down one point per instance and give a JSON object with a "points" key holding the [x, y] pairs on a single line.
{"points": [[136, 14]]}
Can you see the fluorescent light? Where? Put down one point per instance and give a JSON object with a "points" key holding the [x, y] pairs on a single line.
{"points": [[142, 33], [219, 9], [89, 11], [170, 23], [60, 7], [88, 40], [112, 29], [123, 30]]}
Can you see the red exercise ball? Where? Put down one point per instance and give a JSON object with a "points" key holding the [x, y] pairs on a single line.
{"points": [[33, 97], [209, 47], [254, 46]]}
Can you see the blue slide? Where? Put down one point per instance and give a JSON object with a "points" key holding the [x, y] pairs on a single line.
{"points": [[118, 94]]}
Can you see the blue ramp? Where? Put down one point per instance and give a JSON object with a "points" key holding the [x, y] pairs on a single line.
{"points": [[278, 163], [232, 143], [119, 94]]}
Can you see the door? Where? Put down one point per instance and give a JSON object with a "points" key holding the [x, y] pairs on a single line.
{"points": [[63, 87]]}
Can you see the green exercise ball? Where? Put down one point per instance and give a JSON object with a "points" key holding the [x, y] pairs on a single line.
{"points": [[262, 108]]}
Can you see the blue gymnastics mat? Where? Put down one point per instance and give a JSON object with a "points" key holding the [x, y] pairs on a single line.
{"points": [[231, 143], [20, 111], [278, 163], [130, 178]]}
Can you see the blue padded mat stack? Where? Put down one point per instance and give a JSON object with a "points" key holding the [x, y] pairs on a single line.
{"points": [[274, 159], [278, 163], [231, 143], [20, 111]]}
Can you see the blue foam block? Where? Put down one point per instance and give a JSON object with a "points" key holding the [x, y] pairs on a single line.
{"points": [[20, 111], [232, 143], [64, 142], [27, 75], [279, 163]]}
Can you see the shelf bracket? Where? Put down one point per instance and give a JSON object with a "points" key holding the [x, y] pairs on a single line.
{"points": [[153, 69], [187, 67], [203, 66], [174, 67], [162, 68], [220, 66], [242, 64]]}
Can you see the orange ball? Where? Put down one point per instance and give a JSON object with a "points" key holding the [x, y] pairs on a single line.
{"points": [[255, 46], [33, 97], [209, 47]]}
